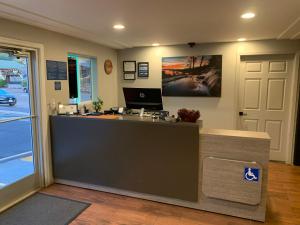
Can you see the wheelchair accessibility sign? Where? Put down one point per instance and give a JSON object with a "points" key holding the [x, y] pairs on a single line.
{"points": [[251, 174]]}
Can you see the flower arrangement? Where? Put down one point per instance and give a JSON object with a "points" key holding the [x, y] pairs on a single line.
{"points": [[187, 115]]}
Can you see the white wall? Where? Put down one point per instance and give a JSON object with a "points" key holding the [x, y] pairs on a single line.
{"points": [[216, 112], [57, 47]]}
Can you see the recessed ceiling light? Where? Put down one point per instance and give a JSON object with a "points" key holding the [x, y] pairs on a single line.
{"points": [[155, 44], [242, 39], [248, 15], [119, 27]]}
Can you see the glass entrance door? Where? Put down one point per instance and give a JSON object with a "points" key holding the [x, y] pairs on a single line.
{"points": [[19, 173]]}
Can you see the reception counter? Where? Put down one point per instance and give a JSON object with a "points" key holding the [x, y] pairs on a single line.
{"points": [[175, 163]]}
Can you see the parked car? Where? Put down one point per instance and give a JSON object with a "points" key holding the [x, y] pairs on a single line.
{"points": [[7, 98]]}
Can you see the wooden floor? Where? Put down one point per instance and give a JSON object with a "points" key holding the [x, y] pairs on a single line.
{"points": [[109, 209]]}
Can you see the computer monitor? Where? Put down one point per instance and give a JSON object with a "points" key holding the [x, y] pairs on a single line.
{"points": [[147, 98]]}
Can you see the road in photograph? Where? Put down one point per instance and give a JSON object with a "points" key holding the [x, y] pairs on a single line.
{"points": [[15, 137]]}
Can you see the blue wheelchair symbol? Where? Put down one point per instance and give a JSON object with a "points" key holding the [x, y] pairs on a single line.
{"points": [[251, 174]]}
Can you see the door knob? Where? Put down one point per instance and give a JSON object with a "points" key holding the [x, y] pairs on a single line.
{"points": [[242, 114]]}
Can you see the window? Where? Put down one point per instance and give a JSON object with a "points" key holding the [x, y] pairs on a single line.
{"points": [[81, 70]]}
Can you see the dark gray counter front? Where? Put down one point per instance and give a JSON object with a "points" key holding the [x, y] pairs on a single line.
{"points": [[147, 157]]}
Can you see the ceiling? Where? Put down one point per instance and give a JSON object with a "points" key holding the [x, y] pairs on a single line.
{"points": [[168, 22]]}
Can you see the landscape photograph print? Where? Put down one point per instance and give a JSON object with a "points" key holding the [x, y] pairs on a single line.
{"points": [[192, 76]]}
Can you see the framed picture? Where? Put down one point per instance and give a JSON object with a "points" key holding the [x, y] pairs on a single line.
{"points": [[192, 76], [129, 76], [129, 66], [143, 69]]}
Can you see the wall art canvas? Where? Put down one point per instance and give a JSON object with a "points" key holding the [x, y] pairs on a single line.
{"points": [[192, 76]]}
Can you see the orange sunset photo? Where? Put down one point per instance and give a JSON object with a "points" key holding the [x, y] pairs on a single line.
{"points": [[192, 76]]}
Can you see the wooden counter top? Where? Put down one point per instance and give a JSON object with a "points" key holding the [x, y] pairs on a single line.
{"points": [[129, 118], [235, 133]]}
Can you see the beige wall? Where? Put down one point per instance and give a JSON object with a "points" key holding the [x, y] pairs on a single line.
{"points": [[57, 46], [216, 112]]}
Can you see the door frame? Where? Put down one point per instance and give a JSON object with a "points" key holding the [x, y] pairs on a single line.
{"points": [[291, 126], [39, 76]]}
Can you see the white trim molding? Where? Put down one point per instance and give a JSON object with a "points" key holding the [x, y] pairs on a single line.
{"points": [[292, 31]]}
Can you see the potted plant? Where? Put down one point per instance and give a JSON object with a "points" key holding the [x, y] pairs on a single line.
{"points": [[98, 104]]}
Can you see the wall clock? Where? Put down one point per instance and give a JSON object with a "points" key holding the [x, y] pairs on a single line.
{"points": [[108, 66]]}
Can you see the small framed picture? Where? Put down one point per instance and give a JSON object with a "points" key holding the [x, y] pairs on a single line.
{"points": [[129, 76], [129, 66], [143, 69]]}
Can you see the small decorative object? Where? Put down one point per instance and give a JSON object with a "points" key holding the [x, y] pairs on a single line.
{"points": [[129, 66], [108, 66], [57, 85], [143, 69], [52, 107], [98, 104], [129, 76], [172, 119], [192, 76], [187, 115]]}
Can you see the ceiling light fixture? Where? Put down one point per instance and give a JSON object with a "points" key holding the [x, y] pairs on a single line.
{"points": [[155, 44], [248, 15], [242, 39], [119, 27]]}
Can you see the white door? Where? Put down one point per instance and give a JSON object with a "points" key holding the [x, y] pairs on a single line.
{"points": [[264, 93], [19, 164]]}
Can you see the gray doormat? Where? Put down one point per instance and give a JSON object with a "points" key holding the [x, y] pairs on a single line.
{"points": [[42, 209]]}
